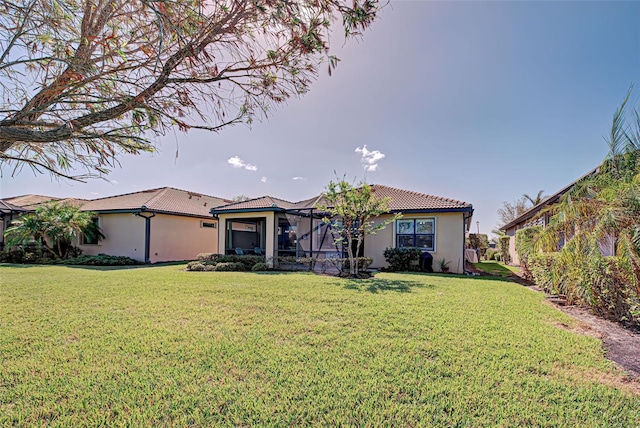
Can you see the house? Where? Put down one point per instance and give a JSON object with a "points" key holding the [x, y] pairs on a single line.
{"points": [[535, 216], [156, 225], [277, 227], [8, 212]]}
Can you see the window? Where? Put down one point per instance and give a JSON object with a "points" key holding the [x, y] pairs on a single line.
{"points": [[419, 233], [207, 224]]}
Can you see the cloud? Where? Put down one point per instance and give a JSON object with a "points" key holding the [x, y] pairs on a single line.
{"points": [[369, 158], [298, 178], [263, 179], [236, 162], [113, 182]]}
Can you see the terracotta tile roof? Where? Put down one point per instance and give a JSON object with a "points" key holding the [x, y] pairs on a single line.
{"points": [[311, 203], [409, 200], [400, 200], [69, 201], [8, 207], [28, 200], [165, 200], [257, 203]]}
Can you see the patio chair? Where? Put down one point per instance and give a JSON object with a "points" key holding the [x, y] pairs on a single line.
{"points": [[257, 251], [239, 251]]}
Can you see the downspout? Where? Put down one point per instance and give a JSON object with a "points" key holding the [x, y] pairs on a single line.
{"points": [[311, 238], [147, 231]]}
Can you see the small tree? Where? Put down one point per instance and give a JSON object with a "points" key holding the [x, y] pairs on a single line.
{"points": [[55, 227], [351, 209], [479, 241], [503, 241]]}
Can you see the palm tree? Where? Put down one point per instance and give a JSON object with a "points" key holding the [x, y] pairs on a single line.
{"points": [[602, 207], [55, 227], [538, 198]]}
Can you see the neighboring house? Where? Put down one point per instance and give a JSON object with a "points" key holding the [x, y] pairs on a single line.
{"points": [[8, 212], [12, 208], [156, 225], [535, 216], [277, 227]]}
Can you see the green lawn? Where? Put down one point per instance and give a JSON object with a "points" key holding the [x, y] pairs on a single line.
{"points": [[496, 268], [160, 346]]}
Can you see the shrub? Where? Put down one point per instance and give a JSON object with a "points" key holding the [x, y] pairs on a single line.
{"points": [[479, 242], [199, 267], [503, 242], [363, 263], [402, 259], [12, 255], [525, 241], [491, 254], [542, 269], [99, 260], [603, 283], [229, 267], [26, 254], [247, 261], [287, 260], [309, 262], [260, 267], [209, 257]]}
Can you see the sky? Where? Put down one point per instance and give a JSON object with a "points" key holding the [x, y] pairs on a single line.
{"points": [[474, 101]]}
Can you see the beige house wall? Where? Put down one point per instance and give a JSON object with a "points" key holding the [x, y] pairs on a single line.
{"points": [[449, 240], [124, 236], [175, 238], [513, 255]]}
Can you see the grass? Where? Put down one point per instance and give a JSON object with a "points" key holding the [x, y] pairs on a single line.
{"points": [[154, 346], [496, 268]]}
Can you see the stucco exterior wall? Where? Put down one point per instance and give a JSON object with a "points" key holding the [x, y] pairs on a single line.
{"points": [[511, 233], [175, 238], [449, 240], [124, 236]]}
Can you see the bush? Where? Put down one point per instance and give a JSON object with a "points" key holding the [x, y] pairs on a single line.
{"points": [[209, 257], [479, 242], [247, 261], [503, 243], [199, 267], [12, 255], [604, 284], [99, 260], [403, 259], [26, 254], [260, 267], [362, 262], [525, 241], [542, 269], [229, 267], [491, 254], [309, 262], [287, 260]]}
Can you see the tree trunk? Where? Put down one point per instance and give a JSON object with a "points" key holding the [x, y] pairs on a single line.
{"points": [[350, 252]]}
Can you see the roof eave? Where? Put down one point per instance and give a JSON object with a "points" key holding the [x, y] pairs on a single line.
{"points": [[214, 211], [434, 210]]}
